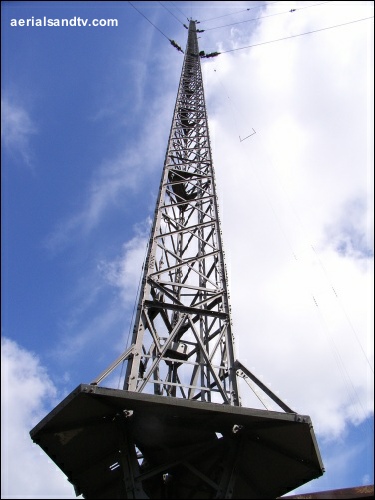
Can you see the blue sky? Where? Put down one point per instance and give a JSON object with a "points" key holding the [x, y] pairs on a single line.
{"points": [[86, 113]]}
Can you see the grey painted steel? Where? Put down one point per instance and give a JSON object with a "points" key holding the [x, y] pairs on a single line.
{"points": [[177, 429], [182, 343], [113, 443], [240, 367]]}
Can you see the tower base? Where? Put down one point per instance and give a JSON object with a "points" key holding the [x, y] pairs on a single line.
{"points": [[116, 444]]}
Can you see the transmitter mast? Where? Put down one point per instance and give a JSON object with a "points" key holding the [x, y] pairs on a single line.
{"points": [[177, 428]]}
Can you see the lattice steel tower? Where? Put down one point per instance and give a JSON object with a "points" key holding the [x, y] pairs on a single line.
{"points": [[177, 428], [182, 334]]}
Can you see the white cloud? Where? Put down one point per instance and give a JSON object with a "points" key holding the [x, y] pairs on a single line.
{"points": [[296, 207], [352, 234], [16, 130], [293, 290], [294, 198], [26, 389], [125, 272]]}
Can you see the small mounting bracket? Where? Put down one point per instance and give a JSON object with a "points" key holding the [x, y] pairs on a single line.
{"points": [[247, 136]]}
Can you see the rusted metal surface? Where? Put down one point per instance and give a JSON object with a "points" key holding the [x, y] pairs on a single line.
{"points": [[356, 492]]}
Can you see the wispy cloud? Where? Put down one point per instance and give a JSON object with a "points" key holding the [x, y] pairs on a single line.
{"points": [[101, 303], [124, 272], [115, 178], [17, 127], [112, 179]]}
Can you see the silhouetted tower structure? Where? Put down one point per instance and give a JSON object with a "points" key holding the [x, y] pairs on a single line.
{"points": [[177, 428]]}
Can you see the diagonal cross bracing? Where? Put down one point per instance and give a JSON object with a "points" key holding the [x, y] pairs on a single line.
{"points": [[141, 442], [184, 297]]}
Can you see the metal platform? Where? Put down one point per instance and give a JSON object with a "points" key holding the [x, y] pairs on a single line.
{"points": [[119, 444]]}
